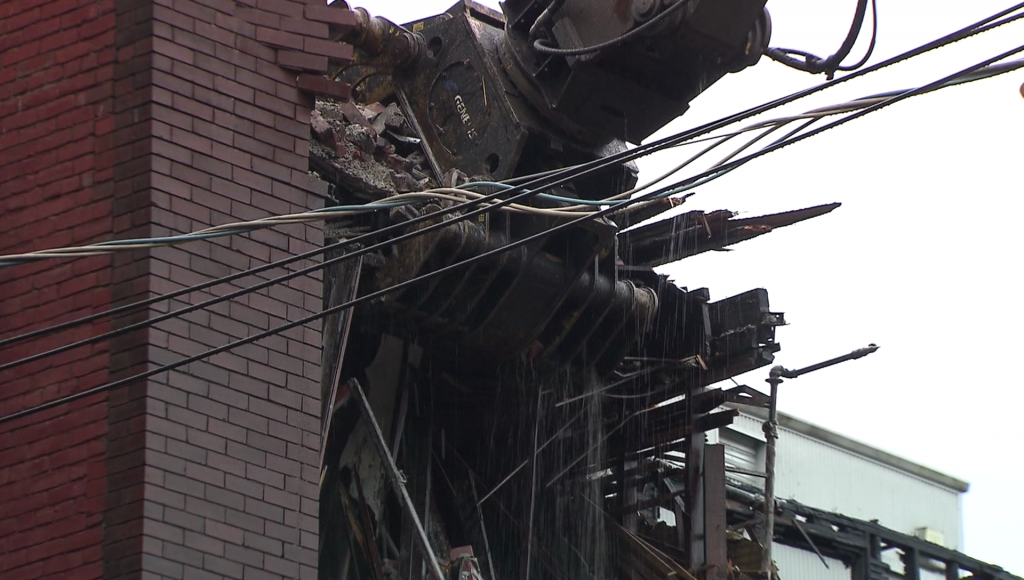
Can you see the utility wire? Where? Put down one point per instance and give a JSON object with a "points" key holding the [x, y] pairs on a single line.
{"points": [[984, 25], [871, 45], [240, 292], [390, 202], [458, 265], [310, 318], [310, 254], [772, 125], [291, 259], [981, 26], [229, 229], [457, 194], [291, 275], [235, 228]]}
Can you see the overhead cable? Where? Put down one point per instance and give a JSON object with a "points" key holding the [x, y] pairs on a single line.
{"points": [[236, 228], [458, 194], [871, 45], [440, 192], [772, 125], [815, 64], [564, 176], [485, 255], [434, 194]]}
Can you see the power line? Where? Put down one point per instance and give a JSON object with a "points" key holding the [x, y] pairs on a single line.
{"points": [[344, 306], [236, 228], [291, 275], [242, 274], [307, 319], [978, 27], [436, 193], [291, 259], [772, 124], [871, 45], [981, 26]]}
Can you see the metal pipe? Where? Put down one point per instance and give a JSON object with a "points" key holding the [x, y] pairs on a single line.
{"points": [[533, 485], [376, 36], [792, 374], [771, 434], [396, 479]]}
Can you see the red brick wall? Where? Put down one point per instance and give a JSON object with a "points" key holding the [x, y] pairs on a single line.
{"points": [[232, 442], [56, 66], [137, 118]]}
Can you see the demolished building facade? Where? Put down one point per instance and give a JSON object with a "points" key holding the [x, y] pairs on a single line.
{"points": [[518, 416]]}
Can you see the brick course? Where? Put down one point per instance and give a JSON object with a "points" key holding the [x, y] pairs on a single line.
{"points": [[56, 68], [233, 125], [128, 118]]}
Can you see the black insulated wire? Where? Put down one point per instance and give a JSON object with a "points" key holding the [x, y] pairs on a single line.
{"points": [[815, 64], [254, 271], [542, 48], [545, 18], [540, 183], [604, 212], [871, 45], [169, 296]]}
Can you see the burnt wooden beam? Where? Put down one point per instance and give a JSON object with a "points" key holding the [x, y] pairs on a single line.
{"points": [[341, 282], [715, 544], [703, 402], [911, 564], [647, 504], [694, 501], [702, 424], [697, 232]]}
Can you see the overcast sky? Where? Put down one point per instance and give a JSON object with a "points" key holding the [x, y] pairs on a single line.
{"points": [[923, 258]]}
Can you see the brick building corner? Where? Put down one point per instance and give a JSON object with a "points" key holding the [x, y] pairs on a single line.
{"points": [[142, 118]]}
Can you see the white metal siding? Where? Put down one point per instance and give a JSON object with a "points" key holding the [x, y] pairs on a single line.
{"points": [[827, 477], [742, 451], [797, 564]]}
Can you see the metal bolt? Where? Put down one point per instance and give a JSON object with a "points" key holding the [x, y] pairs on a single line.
{"points": [[403, 49], [644, 9]]}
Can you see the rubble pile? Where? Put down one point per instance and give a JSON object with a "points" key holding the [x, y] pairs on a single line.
{"points": [[372, 150]]}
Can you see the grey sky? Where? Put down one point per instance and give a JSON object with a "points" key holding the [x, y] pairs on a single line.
{"points": [[923, 258]]}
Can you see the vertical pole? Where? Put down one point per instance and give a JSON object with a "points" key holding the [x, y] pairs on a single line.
{"points": [[625, 497], [912, 564], [695, 500], [397, 481], [533, 487], [874, 556], [770, 434], [715, 543]]}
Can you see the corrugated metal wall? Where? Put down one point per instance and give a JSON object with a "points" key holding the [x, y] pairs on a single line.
{"points": [[797, 564], [827, 477], [744, 452]]}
